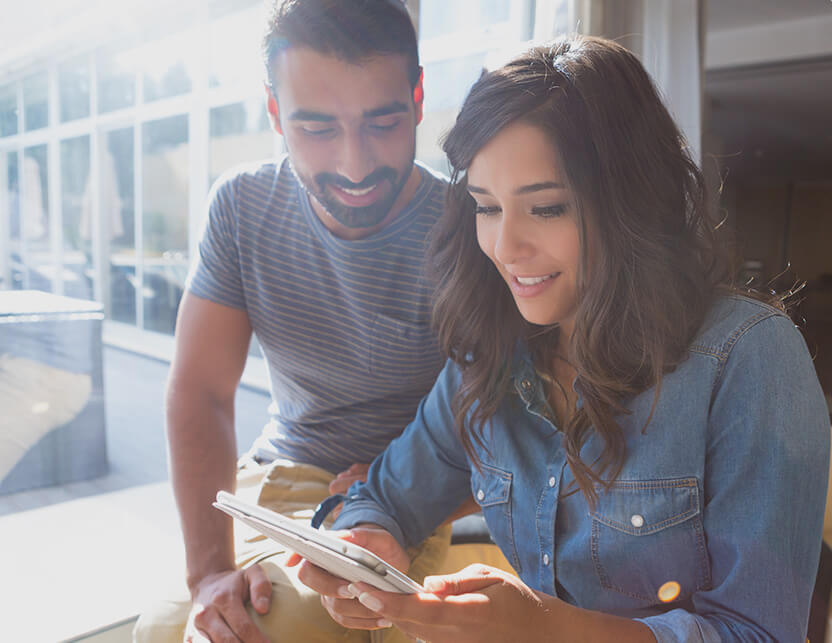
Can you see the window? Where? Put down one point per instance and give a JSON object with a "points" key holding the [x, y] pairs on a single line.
{"points": [[74, 88], [118, 225], [8, 110], [37, 264], [116, 81], [77, 218], [165, 166], [36, 101], [240, 133]]}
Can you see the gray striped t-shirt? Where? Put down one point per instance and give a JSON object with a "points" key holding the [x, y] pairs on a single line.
{"points": [[344, 325]]}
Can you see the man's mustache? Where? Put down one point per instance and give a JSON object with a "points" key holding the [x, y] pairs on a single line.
{"points": [[376, 176]]}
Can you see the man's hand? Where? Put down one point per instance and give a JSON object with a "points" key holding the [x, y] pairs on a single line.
{"points": [[335, 595], [343, 481], [218, 612]]}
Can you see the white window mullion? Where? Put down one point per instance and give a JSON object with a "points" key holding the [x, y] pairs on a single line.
{"points": [[138, 201], [54, 182], [100, 237]]}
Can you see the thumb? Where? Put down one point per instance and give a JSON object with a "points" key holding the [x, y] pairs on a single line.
{"points": [[259, 588], [473, 578]]}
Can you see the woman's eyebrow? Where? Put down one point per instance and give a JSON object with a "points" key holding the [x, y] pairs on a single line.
{"points": [[523, 189]]}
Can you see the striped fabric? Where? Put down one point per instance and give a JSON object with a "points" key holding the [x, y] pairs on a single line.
{"points": [[344, 325]]}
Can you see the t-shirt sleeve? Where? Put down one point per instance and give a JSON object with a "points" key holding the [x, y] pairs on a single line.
{"points": [[215, 275]]}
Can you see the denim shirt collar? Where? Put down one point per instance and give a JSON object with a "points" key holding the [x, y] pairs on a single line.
{"points": [[528, 384]]}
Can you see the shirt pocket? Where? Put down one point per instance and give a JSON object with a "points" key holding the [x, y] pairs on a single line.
{"points": [[401, 349], [647, 536], [491, 487]]}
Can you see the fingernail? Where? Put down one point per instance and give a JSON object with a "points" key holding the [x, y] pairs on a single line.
{"points": [[369, 601], [344, 592], [353, 591], [384, 623], [262, 603]]}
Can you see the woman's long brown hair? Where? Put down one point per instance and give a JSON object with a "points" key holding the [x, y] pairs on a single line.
{"points": [[650, 263]]}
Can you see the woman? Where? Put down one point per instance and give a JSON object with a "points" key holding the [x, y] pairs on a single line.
{"points": [[649, 447]]}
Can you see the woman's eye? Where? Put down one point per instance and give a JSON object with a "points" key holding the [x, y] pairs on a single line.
{"points": [[486, 209], [547, 211]]}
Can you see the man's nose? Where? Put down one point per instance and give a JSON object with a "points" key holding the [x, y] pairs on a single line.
{"points": [[356, 158]]}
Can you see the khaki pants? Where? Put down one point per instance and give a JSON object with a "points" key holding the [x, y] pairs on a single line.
{"points": [[296, 614]]}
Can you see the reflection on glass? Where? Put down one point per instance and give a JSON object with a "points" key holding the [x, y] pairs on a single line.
{"points": [[440, 17], [164, 220], [234, 56], [8, 110], [446, 84], [116, 81], [36, 101], [74, 89], [117, 216], [240, 132], [76, 210], [10, 208], [165, 64], [37, 265]]}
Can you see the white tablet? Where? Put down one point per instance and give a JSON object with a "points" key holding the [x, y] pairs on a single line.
{"points": [[338, 557]]}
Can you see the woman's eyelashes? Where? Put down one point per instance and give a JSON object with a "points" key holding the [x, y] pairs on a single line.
{"points": [[543, 211]]}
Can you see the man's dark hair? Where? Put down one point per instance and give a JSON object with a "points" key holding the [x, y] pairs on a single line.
{"points": [[351, 30]]}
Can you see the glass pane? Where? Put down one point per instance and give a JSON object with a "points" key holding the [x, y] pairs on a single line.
{"points": [[37, 264], [440, 17], [74, 87], [239, 133], [117, 212], [8, 110], [76, 202], [234, 55], [36, 101], [166, 66], [164, 220], [446, 84], [116, 81], [10, 207]]}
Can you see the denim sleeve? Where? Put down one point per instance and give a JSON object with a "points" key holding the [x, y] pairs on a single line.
{"points": [[765, 489], [216, 273], [420, 478]]}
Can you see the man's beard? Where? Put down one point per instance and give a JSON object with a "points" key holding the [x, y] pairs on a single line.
{"points": [[350, 217]]}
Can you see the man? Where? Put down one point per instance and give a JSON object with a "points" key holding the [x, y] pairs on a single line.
{"points": [[320, 255]]}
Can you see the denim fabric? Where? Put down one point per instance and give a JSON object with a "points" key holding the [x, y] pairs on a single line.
{"points": [[722, 494]]}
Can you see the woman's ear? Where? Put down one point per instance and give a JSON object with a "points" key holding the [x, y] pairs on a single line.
{"points": [[419, 95], [273, 109]]}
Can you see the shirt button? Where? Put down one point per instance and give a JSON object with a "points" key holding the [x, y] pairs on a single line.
{"points": [[637, 520], [480, 494], [546, 559], [552, 481], [526, 385]]}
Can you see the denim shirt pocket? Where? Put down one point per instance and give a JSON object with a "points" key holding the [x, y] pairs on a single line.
{"points": [[648, 534], [491, 487]]}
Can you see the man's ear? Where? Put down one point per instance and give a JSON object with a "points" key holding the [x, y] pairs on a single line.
{"points": [[273, 109], [419, 95]]}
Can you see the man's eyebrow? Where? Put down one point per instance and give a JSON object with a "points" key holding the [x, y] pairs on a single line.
{"points": [[307, 115], [395, 107], [524, 189]]}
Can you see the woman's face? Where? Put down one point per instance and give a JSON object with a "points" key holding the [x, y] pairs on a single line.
{"points": [[526, 222]]}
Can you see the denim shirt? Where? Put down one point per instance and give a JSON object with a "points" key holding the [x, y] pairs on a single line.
{"points": [[722, 494]]}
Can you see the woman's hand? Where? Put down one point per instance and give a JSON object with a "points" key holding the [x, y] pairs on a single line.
{"points": [[477, 604], [335, 595]]}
